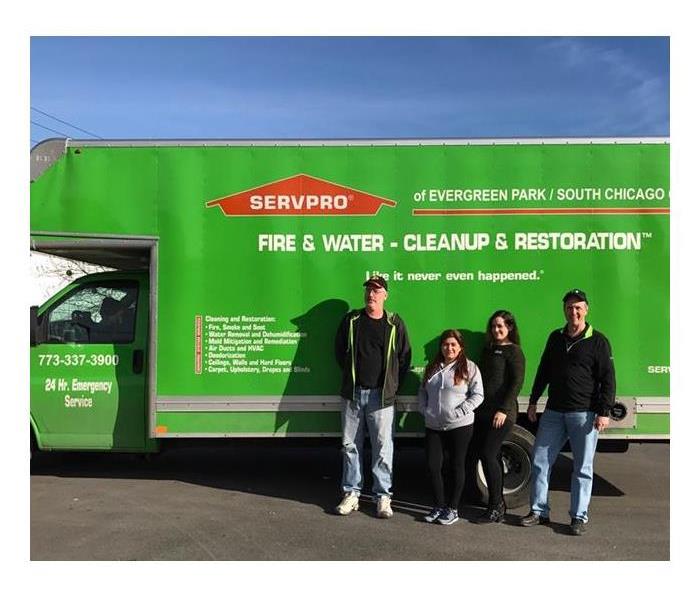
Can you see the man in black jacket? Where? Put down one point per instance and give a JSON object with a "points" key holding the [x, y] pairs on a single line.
{"points": [[577, 366], [373, 351]]}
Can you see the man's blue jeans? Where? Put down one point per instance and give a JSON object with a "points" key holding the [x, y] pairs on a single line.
{"points": [[366, 409], [554, 429]]}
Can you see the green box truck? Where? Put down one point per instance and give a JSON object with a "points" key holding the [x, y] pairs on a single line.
{"points": [[235, 261]]}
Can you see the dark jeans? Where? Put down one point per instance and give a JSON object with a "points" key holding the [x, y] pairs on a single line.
{"points": [[455, 441], [486, 446]]}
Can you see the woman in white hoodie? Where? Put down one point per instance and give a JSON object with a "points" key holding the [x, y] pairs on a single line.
{"points": [[450, 391]]}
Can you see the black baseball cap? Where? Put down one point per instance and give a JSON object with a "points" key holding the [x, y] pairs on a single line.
{"points": [[376, 281], [575, 293]]}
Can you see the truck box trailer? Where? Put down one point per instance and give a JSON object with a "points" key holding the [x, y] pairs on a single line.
{"points": [[237, 259]]}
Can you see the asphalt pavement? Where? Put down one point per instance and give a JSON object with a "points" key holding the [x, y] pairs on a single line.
{"points": [[273, 500]]}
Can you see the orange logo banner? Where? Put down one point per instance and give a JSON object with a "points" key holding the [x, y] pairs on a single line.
{"points": [[300, 195]]}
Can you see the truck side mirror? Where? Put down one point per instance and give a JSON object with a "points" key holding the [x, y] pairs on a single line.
{"points": [[34, 329]]}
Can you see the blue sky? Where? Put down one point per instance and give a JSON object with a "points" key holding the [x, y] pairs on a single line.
{"points": [[350, 87]]}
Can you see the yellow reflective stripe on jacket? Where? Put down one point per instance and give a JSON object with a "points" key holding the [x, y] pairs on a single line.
{"points": [[351, 342], [390, 347]]}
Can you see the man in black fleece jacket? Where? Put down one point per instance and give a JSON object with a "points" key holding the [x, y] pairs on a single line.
{"points": [[374, 354], [577, 366]]}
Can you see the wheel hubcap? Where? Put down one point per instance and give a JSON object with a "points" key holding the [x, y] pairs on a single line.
{"points": [[516, 468]]}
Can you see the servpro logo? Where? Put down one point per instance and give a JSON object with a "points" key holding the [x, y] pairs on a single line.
{"points": [[300, 195]]}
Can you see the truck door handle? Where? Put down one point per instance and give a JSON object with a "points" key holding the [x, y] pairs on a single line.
{"points": [[137, 362]]}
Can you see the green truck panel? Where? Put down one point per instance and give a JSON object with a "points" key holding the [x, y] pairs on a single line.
{"points": [[259, 250]]}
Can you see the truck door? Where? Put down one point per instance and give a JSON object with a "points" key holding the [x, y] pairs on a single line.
{"points": [[88, 380]]}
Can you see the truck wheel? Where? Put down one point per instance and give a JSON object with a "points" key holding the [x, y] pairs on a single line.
{"points": [[33, 446], [516, 454]]}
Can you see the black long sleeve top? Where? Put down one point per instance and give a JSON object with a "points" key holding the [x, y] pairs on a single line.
{"points": [[579, 372], [502, 372]]}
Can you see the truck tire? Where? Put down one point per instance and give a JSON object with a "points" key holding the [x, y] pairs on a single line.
{"points": [[516, 454], [33, 446]]}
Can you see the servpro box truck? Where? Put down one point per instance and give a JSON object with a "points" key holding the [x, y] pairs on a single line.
{"points": [[236, 261]]}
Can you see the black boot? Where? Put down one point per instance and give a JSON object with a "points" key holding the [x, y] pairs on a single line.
{"points": [[493, 514]]}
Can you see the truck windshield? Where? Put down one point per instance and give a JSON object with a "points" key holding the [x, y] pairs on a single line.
{"points": [[97, 313]]}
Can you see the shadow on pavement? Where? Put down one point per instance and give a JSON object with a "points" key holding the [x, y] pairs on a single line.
{"points": [[560, 480], [306, 471]]}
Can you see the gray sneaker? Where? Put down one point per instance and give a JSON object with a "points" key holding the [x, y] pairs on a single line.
{"points": [[384, 508], [349, 503], [577, 527], [448, 516]]}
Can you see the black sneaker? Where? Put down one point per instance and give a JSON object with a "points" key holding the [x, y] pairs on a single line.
{"points": [[533, 519], [433, 515], [495, 514], [577, 527], [448, 516]]}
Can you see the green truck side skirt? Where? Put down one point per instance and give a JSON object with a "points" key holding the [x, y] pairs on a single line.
{"points": [[324, 423]]}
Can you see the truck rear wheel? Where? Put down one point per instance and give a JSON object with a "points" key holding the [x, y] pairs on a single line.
{"points": [[516, 454]]}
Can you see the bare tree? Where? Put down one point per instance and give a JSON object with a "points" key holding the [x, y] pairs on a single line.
{"points": [[50, 273]]}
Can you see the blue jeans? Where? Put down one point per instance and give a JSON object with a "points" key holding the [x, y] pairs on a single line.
{"points": [[366, 408], [554, 429]]}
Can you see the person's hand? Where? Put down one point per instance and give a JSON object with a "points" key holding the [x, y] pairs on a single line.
{"points": [[498, 419], [532, 413], [601, 422]]}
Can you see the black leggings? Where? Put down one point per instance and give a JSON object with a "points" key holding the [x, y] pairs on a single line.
{"points": [[456, 442], [486, 446]]}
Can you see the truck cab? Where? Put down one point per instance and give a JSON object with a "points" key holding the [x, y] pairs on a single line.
{"points": [[88, 365]]}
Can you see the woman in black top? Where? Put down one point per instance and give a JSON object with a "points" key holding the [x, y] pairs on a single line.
{"points": [[503, 369]]}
